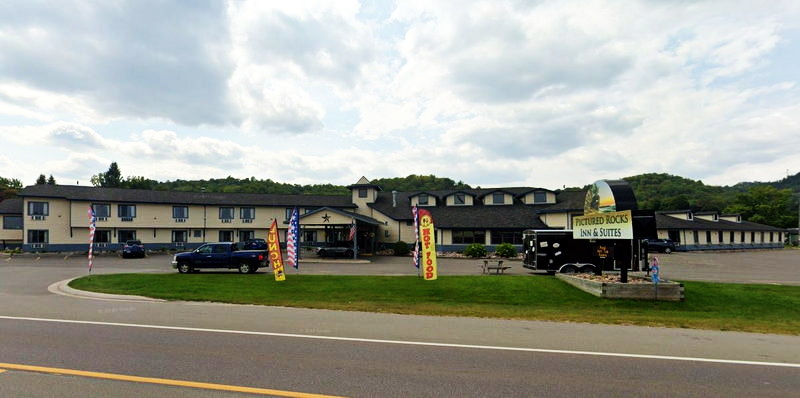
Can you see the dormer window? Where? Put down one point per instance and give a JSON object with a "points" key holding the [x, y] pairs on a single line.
{"points": [[362, 192], [423, 199], [539, 197], [498, 198], [689, 216], [458, 199]]}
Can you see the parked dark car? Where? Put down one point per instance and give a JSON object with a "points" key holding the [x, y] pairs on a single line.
{"points": [[133, 248], [340, 248], [660, 245], [220, 255], [254, 244]]}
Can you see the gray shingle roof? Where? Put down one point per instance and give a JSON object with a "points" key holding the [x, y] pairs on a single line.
{"points": [[516, 216], [668, 222], [97, 194], [567, 201], [12, 206]]}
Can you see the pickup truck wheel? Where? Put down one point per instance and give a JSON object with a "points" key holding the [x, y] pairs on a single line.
{"points": [[245, 268], [184, 268], [667, 250], [348, 253]]}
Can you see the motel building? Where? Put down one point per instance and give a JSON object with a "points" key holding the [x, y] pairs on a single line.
{"points": [[53, 218]]}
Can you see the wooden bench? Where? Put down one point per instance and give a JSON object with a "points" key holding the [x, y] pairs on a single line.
{"points": [[494, 265]]}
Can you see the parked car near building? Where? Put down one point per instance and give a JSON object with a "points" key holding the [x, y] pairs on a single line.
{"points": [[339, 248], [660, 245], [133, 248]]}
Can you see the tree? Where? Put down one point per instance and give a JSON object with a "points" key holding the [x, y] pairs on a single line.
{"points": [[41, 180], [9, 187], [113, 177], [765, 204], [110, 179], [51, 180]]}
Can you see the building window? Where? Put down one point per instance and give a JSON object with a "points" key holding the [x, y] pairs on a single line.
{"points": [[708, 237], [423, 199], [38, 208], [362, 192], [101, 210], [12, 222], [498, 198], [762, 237], [197, 233], [247, 213], [459, 199], [226, 236], [246, 235], [225, 213], [180, 236], [498, 237], [719, 236], [180, 212], [126, 211], [102, 236], [539, 197], [288, 214], [125, 235], [37, 236], [731, 237], [771, 237], [696, 237], [752, 237], [462, 237], [307, 210], [309, 236]]}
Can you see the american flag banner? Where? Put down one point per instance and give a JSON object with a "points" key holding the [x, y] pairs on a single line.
{"points": [[92, 222], [415, 212], [292, 237], [352, 231]]}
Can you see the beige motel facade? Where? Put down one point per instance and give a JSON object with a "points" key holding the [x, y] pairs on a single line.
{"points": [[47, 218]]}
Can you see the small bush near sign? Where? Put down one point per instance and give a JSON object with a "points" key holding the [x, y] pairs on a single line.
{"points": [[401, 248], [475, 250], [506, 250]]}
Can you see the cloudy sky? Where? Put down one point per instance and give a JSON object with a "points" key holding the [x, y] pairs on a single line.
{"points": [[494, 93]]}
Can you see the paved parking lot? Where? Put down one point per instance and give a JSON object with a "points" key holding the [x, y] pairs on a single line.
{"points": [[767, 266]]}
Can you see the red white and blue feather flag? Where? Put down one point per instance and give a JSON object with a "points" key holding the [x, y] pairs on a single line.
{"points": [[415, 213], [292, 238], [92, 225]]}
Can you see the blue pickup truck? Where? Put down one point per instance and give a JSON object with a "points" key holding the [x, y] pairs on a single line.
{"points": [[220, 255]]}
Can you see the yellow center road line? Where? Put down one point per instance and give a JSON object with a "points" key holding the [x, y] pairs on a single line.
{"points": [[2, 370], [165, 382]]}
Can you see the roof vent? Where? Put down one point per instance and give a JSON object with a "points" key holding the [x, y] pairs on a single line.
{"points": [[394, 198]]}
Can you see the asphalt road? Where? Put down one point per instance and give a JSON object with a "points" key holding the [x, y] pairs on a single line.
{"points": [[355, 354]]}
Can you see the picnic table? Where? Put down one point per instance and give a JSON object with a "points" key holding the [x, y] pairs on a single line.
{"points": [[494, 265]]}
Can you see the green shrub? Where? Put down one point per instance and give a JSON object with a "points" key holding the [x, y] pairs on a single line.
{"points": [[475, 250], [506, 250], [400, 248]]}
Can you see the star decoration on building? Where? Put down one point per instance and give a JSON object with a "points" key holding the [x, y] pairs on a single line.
{"points": [[326, 218]]}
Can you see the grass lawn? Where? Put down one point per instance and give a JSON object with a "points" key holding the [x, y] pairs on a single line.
{"points": [[739, 307]]}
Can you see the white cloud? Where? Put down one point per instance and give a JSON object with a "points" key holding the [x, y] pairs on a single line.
{"points": [[545, 93]]}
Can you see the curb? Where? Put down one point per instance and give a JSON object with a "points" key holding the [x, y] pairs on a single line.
{"points": [[62, 288]]}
